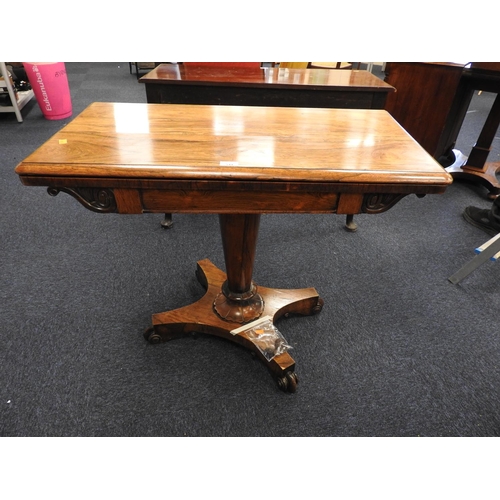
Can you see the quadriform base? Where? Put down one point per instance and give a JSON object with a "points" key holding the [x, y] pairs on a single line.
{"points": [[202, 317]]}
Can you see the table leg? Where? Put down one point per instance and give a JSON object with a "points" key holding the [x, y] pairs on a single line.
{"points": [[232, 299], [167, 221], [238, 300]]}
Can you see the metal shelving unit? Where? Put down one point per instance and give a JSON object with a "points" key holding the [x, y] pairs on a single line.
{"points": [[18, 102]]}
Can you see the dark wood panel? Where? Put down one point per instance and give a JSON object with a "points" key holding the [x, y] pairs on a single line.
{"points": [[235, 96], [425, 93]]}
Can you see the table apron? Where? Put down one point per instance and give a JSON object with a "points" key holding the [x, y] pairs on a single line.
{"points": [[146, 196], [263, 202]]}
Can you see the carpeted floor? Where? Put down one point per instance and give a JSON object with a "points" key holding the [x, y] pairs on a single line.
{"points": [[397, 350]]}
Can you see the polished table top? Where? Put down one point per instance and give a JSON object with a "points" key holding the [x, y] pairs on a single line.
{"points": [[176, 142], [319, 79]]}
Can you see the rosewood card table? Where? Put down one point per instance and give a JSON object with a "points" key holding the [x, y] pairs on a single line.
{"points": [[238, 162]]}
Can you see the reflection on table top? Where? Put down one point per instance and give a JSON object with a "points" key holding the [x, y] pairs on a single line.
{"points": [[155, 141], [323, 79]]}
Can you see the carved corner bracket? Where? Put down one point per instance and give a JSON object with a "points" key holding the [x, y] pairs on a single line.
{"points": [[96, 199], [377, 203]]}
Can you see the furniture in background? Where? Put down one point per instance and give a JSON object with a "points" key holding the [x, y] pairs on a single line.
{"points": [[431, 102], [18, 99], [292, 65], [331, 65], [425, 93], [327, 65], [225, 64], [316, 65], [238, 162], [482, 77], [312, 88], [141, 67]]}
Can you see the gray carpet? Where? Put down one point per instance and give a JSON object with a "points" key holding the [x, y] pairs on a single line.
{"points": [[397, 350]]}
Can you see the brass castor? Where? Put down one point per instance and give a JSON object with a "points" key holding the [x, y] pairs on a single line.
{"points": [[289, 382], [319, 306], [151, 336]]}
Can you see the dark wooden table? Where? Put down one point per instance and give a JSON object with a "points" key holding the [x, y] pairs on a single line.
{"points": [[311, 88], [480, 76], [431, 103], [238, 162]]}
